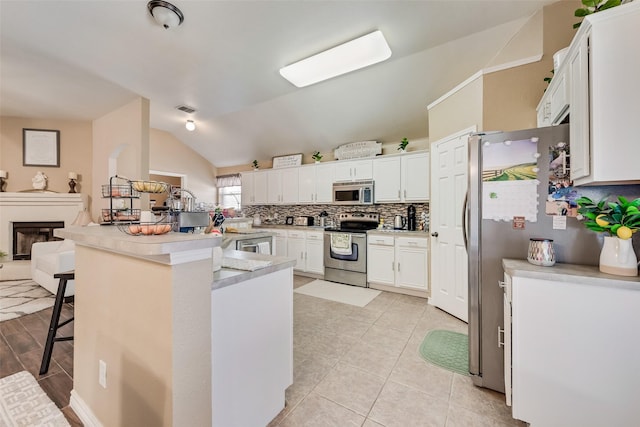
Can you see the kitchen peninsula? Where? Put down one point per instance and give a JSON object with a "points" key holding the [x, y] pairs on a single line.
{"points": [[159, 339]]}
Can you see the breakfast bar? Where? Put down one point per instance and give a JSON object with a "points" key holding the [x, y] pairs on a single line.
{"points": [[161, 340]]}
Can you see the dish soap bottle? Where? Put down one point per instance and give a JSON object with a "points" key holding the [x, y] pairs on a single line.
{"points": [[381, 224]]}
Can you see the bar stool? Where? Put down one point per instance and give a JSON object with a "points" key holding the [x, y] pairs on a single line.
{"points": [[55, 318]]}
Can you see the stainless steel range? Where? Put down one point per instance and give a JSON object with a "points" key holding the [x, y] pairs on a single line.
{"points": [[345, 248]]}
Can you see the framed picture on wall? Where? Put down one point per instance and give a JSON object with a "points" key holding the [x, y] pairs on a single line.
{"points": [[40, 147]]}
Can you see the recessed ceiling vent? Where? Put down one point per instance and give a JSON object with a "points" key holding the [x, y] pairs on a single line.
{"points": [[186, 109]]}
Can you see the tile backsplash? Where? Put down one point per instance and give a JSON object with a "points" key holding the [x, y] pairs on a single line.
{"points": [[276, 214]]}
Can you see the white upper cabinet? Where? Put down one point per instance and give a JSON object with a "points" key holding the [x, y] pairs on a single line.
{"points": [[254, 188], [315, 183], [353, 170], [401, 178], [282, 186], [415, 177], [386, 176], [600, 76], [612, 97]]}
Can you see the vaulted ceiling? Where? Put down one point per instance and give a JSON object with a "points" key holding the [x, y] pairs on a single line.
{"points": [[82, 59]]}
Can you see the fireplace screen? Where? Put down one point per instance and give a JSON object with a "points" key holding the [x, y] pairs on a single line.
{"points": [[26, 234]]}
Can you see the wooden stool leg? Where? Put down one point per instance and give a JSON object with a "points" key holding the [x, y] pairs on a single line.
{"points": [[53, 326]]}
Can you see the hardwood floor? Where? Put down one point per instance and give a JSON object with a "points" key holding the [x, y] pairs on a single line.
{"points": [[21, 347]]}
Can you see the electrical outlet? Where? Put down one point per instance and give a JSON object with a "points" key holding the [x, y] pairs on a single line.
{"points": [[102, 373]]}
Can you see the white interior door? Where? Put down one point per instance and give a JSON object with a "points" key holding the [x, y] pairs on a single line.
{"points": [[449, 281]]}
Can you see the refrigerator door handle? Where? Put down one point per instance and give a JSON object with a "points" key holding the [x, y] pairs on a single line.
{"points": [[464, 221]]}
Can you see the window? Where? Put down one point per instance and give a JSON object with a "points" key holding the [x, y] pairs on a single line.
{"points": [[229, 191], [229, 197]]}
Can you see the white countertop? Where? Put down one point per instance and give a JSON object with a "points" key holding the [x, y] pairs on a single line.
{"points": [[570, 273], [228, 276], [170, 248]]}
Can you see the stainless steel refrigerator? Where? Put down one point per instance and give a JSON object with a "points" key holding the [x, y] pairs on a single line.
{"points": [[493, 238]]}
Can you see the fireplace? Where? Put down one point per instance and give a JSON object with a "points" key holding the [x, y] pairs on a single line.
{"points": [[26, 234], [36, 207]]}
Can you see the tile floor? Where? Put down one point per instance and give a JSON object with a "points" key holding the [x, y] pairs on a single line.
{"points": [[361, 367], [352, 366]]}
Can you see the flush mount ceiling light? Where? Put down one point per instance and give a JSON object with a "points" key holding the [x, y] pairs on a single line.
{"points": [[190, 125], [165, 13], [358, 53]]}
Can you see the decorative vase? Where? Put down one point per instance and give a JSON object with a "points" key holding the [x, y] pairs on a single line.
{"points": [[317, 161], [617, 257]]}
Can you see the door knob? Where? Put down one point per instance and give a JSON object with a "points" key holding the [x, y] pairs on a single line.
{"points": [[434, 234]]}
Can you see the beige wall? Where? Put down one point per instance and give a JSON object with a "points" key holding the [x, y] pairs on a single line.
{"points": [[151, 325], [461, 110], [169, 154], [507, 99], [387, 148], [75, 149], [121, 147]]}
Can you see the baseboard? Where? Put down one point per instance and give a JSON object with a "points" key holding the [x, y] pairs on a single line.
{"points": [[420, 294], [83, 411]]}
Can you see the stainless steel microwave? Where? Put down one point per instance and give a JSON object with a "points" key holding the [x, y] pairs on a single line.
{"points": [[353, 193]]}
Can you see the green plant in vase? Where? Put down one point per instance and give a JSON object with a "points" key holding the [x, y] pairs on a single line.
{"points": [[619, 219], [255, 164], [317, 156], [403, 145], [594, 6]]}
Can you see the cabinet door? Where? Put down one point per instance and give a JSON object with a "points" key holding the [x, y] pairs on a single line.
{"points": [[415, 177], [260, 189], [296, 249], [363, 169], [381, 263], [543, 112], [274, 187], [579, 135], [307, 184], [559, 97], [314, 253], [412, 264], [386, 175], [507, 337], [343, 171], [324, 183], [246, 183], [289, 185]]}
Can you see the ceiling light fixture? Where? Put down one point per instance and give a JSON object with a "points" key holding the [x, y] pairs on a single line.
{"points": [[190, 125], [165, 13], [353, 55]]}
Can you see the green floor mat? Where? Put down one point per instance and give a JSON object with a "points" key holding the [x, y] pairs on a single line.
{"points": [[449, 350]]}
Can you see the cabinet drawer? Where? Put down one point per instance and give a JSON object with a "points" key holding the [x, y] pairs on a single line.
{"points": [[413, 242], [312, 235], [380, 240], [297, 234]]}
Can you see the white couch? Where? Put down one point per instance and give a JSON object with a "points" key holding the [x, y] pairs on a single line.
{"points": [[49, 258]]}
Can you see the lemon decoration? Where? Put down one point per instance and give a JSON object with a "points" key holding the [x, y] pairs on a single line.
{"points": [[624, 233], [600, 221]]}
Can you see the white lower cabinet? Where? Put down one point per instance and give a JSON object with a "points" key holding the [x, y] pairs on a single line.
{"points": [[401, 262], [279, 246], [307, 248], [574, 347]]}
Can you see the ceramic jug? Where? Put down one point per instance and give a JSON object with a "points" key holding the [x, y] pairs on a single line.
{"points": [[617, 257]]}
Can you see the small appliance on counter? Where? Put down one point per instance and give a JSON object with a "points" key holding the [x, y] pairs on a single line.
{"points": [[411, 218], [303, 220], [323, 218], [399, 222], [289, 220]]}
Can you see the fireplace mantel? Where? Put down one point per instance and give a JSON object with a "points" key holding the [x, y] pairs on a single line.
{"points": [[36, 206]]}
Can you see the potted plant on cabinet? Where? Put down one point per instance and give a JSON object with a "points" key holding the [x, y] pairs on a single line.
{"points": [[402, 147], [255, 165], [593, 6], [620, 220], [317, 156]]}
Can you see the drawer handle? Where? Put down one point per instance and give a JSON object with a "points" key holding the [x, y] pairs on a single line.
{"points": [[501, 284]]}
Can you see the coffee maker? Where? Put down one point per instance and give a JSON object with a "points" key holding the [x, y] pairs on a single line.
{"points": [[411, 218]]}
